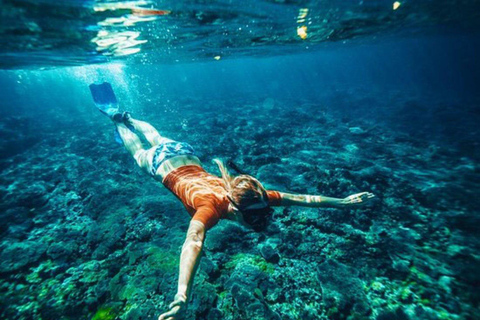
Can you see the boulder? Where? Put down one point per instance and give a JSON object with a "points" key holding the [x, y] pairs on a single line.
{"points": [[16, 255], [342, 288], [269, 253]]}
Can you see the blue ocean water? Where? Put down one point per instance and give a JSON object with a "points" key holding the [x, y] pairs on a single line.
{"points": [[309, 97]]}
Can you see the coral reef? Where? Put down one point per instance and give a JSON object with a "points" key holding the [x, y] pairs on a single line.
{"points": [[87, 235]]}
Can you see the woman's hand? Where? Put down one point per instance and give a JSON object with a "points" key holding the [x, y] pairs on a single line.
{"points": [[357, 199], [177, 309]]}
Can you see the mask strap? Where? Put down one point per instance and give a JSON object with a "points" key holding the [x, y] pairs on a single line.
{"points": [[235, 206]]}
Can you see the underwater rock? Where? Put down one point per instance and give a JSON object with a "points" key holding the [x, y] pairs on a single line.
{"points": [[398, 314], [18, 134], [203, 298], [256, 310], [406, 236], [463, 220], [60, 251], [246, 276], [274, 173], [215, 314], [445, 283], [93, 235], [16, 255], [262, 160], [343, 288], [299, 183], [400, 265], [33, 196], [113, 234], [269, 253], [228, 235], [210, 268], [356, 130], [247, 302], [17, 221], [142, 228], [15, 215], [243, 297], [20, 231], [249, 282], [465, 267]]}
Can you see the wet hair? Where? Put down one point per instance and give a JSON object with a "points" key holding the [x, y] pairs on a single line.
{"points": [[244, 191]]}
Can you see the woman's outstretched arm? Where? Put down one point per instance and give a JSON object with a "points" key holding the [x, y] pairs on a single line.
{"points": [[304, 200], [189, 259]]}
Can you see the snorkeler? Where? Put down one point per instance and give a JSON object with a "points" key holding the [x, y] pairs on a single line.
{"points": [[206, 197]]}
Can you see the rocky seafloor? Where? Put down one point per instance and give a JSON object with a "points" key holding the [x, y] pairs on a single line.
{"points": [[86, 235]]}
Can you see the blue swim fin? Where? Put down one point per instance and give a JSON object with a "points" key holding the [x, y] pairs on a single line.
{"points": [[104, 98], [117, 137]]}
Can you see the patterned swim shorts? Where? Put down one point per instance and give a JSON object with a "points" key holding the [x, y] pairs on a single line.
{"points": [[167, 150]]}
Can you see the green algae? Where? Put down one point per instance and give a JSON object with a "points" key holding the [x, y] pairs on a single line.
{"points": [[129, 291], [251, 259], [105, 313], [418, 274], [162, 260], [43, 268]]}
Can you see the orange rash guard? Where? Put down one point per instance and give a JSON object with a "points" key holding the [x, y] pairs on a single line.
{"points": [[204, 195]]}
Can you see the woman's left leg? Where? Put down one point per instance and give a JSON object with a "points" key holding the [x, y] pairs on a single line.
{"points": [[134, 146]]}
